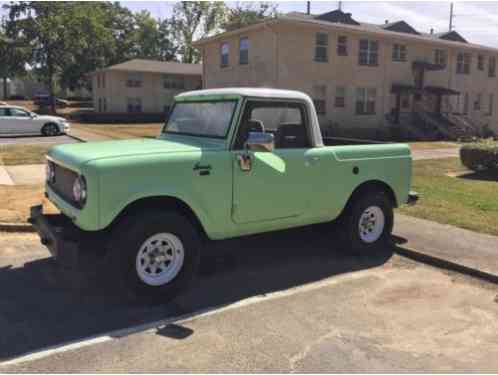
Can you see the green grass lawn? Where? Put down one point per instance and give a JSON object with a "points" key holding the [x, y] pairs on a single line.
{"points": [[470, 203]]}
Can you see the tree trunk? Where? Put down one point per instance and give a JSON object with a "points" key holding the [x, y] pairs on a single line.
{"points": [[51, 83], [5, 88]]}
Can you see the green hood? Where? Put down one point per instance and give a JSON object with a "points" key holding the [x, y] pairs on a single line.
{"points": [[80, 153]]}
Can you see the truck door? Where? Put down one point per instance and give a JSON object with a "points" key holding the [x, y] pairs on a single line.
{"points": [[278, 184]]}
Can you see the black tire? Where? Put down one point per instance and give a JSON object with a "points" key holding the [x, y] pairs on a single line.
{"points": [[352, 241], [50, 130], [131, 234]]}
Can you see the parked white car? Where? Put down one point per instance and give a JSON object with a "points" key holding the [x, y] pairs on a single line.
{"points": [[18, 120]]}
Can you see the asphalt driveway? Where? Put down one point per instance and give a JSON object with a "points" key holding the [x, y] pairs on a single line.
{"points": [[285, 301]]}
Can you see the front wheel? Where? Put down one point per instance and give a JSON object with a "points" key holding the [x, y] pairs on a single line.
{"points": [[50, 130], [367, 224], [155, 255]]}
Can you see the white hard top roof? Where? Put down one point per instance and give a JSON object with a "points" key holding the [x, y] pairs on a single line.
{"points": [[249, 91]]}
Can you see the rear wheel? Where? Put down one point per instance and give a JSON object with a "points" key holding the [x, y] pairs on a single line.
{"points": [[50, 130], [367, 224], [155, 256]]}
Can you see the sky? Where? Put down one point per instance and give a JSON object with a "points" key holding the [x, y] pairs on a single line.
{"points": [[476, 21]]}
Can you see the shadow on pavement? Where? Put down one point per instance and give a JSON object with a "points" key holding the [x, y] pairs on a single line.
{"points": [[40, 308], [440, 263]]}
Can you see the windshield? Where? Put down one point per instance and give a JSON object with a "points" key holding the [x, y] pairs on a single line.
{"points": [[204, 119]]}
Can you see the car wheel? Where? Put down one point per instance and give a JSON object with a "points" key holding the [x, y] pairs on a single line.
{"points": [[156, 256], [50, 130], [367, 224]]}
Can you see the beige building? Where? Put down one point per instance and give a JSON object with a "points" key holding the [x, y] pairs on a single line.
{"points": [[142, 85], [365, 79]]}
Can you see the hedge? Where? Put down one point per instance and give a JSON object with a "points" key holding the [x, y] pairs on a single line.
{"points": [[480, 155]]}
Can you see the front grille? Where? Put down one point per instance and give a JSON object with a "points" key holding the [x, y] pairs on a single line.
{"points": [[63, 183]]}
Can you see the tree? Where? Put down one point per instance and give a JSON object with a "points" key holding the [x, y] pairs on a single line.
{"points": [[14, 55], [195, 19], [44, 23], [247, 13], [151, 39]]}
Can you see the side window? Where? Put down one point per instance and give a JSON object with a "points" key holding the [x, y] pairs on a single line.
{"points": [[4, 112], [18, 112], [287, 121]]}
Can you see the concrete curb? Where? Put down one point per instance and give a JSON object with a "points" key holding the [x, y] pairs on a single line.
{"points": [[75, 137], [16, 227]]}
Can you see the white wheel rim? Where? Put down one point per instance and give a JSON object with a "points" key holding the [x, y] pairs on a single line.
{"points": [[160, 259], [371, 224]]}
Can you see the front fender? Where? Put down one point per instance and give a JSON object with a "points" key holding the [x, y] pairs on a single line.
{"points": [[109, 216]]}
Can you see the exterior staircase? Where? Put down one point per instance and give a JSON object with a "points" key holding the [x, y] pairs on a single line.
{"points": [[426, 125]]}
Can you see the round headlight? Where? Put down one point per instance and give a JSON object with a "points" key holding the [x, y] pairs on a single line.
{"points": [[50, 172], [79, 190]]}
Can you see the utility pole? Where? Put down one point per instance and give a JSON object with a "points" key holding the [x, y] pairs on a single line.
{"points": [[308, 4], [451, 16], [340, 5]]}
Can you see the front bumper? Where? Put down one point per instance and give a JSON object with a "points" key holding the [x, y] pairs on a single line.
{"points": [[69, 245], [412, 198]]}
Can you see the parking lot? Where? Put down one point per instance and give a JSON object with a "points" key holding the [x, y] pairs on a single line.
{"points": [[35, 140], [285, 301]]}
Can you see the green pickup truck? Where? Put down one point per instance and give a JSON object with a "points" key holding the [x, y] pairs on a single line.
{"points": [[228, 163]]}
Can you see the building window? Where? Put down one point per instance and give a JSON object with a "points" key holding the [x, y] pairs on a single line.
{"points": [[224, 53], [342, 45], [244, 51], [399, 52], [463, 63], [477, 103], [365, 101], [172, 82], [166, 108], [134, 105], [322, 42], [492, 66], [100, 104], [134, 80], [104, 104], [440, 57], [480, 62], [320, 106], [340, 97], [491, 104], [369, 52]]}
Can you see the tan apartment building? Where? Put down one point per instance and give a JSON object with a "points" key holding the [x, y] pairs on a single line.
{"points": [[365, 79], [142, 85]]}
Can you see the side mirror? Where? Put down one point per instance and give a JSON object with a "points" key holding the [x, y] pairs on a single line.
{"points": [[263, 142], [33, 115]]}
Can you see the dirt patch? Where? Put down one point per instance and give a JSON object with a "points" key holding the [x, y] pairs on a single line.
{"points": [[17, 200]]}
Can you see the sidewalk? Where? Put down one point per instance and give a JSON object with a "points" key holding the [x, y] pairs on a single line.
{"points": [[459, 246], [5, 178], [439, 153]]}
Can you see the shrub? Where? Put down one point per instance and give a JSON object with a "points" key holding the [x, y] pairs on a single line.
{"points": [[480, 155]]}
